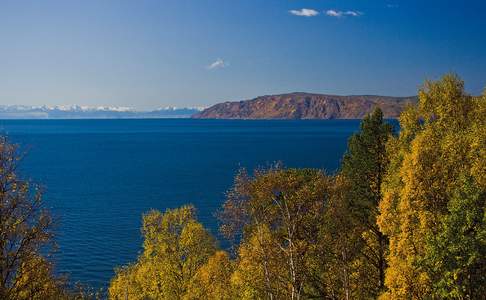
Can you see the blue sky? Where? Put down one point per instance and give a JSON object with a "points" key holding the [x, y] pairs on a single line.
{"points": [[148, 54]]}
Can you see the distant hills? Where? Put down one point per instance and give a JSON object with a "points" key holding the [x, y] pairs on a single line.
{"points": [[284, 106], [85, 112], [306, 106]]}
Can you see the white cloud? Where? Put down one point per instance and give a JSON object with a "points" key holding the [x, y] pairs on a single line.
{"points": [[304, 12], [339, 13], [218, 64], [334, 13], [353, 13]]}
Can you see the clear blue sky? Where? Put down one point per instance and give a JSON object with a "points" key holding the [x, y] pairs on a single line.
{"points": [[148, 54]]}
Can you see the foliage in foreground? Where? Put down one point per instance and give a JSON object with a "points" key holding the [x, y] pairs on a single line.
{"points": [[434, 194], [404, 218], [300, 234], [26, 239], [175, 246], [25, 233]]}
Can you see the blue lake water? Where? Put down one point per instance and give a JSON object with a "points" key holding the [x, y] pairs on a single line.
{"points": [[101, 175]]}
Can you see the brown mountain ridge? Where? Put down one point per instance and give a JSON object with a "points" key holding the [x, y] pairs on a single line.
{"points": [[306, 106]]}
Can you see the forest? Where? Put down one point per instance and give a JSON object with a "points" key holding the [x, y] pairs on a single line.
{"points": [[403, 218]]}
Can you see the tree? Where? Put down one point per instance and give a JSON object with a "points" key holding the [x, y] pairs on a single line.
{"points": [[175, 247], [417, 199], [455, 256], [213, 280], [364, 165], [277, 213], [258, 267], [339, 247], [25, 234], [437, 165]]}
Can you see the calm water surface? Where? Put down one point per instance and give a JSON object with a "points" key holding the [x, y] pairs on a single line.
{"points": [[101, 175]]}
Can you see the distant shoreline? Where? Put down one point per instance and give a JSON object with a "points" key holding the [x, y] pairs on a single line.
{"points": [[307, 106]]}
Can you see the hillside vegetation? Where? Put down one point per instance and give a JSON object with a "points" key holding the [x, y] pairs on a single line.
{"points": [[403, 218]]}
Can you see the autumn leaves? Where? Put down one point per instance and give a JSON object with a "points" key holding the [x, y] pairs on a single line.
{"points": [[403, 218]]}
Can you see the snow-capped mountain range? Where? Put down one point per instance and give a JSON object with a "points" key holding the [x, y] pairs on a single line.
{"points": [[91, 112]]}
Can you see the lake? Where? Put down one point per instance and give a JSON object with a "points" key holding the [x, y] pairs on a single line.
{"points": [[100, 176]]}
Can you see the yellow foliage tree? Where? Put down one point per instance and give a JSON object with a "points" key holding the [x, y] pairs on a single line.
{"points": [[441, 141], [26, 235], [279, 213], [175, 247], [213, 280], [258, 267]]}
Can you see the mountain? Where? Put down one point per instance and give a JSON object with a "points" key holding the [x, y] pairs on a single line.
{"points": [[306, 106], [86, 112]]}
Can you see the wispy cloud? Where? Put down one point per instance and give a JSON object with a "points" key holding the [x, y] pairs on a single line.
{"points": [[392, 5], [218, 64], [304, 12], [353, 13], [334, 13], [339, 13]]}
